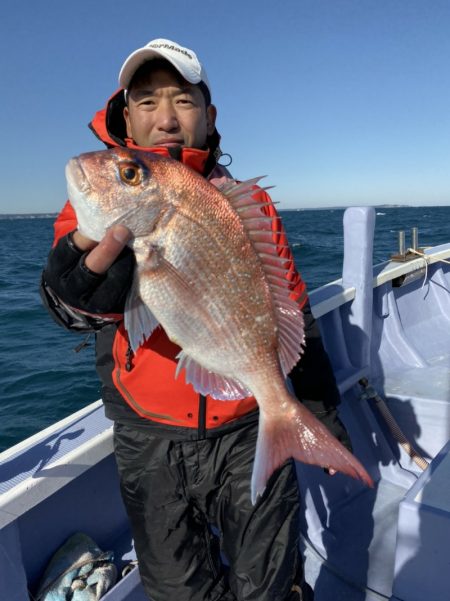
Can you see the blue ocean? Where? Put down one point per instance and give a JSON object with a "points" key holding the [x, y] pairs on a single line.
{"points": [[43, 378]]}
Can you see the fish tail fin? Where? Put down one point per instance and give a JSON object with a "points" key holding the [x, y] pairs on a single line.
{"points": [[298, 434]]}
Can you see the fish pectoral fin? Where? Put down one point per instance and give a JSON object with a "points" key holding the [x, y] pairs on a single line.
{"points": [[298, 434], [139, 321], [206, 382], [157, 266]]}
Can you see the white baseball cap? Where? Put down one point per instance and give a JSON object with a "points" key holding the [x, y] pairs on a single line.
{"points": [[184, 60]]}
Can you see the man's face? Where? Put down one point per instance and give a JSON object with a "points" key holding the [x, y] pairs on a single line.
{"points": [[166, 111]]}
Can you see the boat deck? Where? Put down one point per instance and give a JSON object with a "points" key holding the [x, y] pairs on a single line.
{"points": [[345, 560], [353, 547], [368, 545], [420, 401]]}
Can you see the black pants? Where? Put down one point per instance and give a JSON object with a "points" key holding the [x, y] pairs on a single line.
{"points": [[197, 535]]}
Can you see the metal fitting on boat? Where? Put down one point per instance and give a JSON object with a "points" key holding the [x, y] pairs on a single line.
{"points": [[404, 253]]}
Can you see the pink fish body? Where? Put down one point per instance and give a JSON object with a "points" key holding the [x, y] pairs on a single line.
{"points": [[208, 271]]}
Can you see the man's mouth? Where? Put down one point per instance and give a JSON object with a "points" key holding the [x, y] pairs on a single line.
{"points": [[169, 143]]}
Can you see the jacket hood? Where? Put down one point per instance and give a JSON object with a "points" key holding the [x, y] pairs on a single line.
{"points": [[108, 124]]}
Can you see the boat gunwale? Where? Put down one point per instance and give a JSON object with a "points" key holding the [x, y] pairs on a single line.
{"points": [[326, 298]]}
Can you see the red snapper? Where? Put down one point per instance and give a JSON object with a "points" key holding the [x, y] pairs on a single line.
{"points": [[208, 271]]}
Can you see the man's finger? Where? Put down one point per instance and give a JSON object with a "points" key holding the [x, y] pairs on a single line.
{"points": [[82, 242], [108, 249]]}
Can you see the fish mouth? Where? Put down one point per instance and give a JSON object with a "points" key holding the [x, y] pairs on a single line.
{"points": [[76, 176]]}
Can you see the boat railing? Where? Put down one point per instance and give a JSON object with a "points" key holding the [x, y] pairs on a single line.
{"points": [[36, 468], [334, 295]]}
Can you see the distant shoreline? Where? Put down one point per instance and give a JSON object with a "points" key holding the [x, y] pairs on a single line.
{"points": [[343, 207]]}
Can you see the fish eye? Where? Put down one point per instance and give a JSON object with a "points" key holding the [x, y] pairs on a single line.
{"points": [[130, 173]]}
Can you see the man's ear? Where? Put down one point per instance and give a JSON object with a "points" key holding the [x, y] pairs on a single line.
{"points": [[211, 115], [126, 116]]}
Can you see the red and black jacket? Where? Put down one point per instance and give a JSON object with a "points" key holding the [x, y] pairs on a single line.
{"points": [[142, 386]]}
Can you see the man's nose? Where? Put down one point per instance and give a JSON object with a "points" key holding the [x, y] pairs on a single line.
{"points": [[167, 117]]}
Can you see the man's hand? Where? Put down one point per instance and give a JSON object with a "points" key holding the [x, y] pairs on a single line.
{"points": [[92, 277], [103, 254]]}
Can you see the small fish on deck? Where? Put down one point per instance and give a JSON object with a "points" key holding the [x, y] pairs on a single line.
{"points": [[208, 270]]}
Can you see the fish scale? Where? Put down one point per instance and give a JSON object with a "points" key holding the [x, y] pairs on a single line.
{"points": [[209, 258]]}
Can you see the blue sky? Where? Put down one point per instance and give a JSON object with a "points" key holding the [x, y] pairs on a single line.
{"points": [[338, 102]]}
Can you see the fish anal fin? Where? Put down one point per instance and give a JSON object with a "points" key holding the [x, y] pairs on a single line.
{"points": [[206, 382], [298, 434]]}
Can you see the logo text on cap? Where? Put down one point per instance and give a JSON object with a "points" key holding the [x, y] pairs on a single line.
{"points": [[169, 47]]}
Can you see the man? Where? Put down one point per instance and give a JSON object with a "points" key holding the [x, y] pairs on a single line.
{"points": [[184, 460]]}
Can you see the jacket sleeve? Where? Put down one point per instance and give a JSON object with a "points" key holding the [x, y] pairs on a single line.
{"points": [[76, 297]]}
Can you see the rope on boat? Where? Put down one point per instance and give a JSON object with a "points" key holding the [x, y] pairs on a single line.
{"points": [[426, 259], [424, 256], [395, 429]]}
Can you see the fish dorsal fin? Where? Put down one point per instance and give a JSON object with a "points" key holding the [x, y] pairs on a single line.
{"points": [[139, 321], [207, 382], [263, 235]]}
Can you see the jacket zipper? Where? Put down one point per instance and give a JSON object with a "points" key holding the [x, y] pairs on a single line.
{"points": [[201, 417], [129, 357]]}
